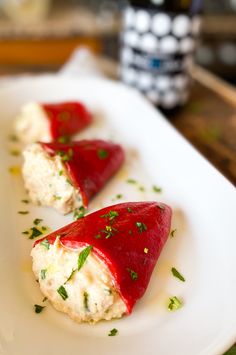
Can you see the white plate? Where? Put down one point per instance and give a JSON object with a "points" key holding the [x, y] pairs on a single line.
{"points": [[203, 248]]}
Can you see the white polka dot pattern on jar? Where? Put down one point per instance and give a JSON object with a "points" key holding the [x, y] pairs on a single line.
{"points": [[142, 21], [161, 24], [157, 54], [181, 26]]}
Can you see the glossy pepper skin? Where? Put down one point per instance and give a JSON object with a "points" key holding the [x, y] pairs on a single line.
{"points": [[89, 163], [66, 118], [129, 251]]}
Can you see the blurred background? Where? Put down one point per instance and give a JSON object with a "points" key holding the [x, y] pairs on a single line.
{"points": [[40, 35]]}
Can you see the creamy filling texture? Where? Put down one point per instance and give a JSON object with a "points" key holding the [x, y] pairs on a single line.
{"points": [[32, 124], [47, 182], [91, 294]]}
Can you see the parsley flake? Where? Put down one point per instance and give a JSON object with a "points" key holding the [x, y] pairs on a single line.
{"points": [[113, 332], [62, 292], [15, 152], [60, 173], [97, 236], [79, 213], [83, 256], [63, 139], [56, 197], [129, 210], [177, 274], [102, 153], [37, 221], [109, 231], [110, 215], [118, 196], [131, 181], [133, 274], [65, 156], [45, 243], [174, 303], [43, 274], [35, 232], [141, 226], [38, 308], [45, 299], [25, 232], [25, 201], [142, 188], [23, 212], [172, 233], [86, 298], [71, 275], [156, 189]]}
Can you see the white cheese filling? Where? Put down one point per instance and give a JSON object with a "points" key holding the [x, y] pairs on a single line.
{"points": [[91, 295], [32, 124], [47, 182]]}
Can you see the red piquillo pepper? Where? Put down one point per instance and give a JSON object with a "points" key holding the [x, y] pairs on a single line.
{"points": [[89, 163], [66, 118], [128, 237]]}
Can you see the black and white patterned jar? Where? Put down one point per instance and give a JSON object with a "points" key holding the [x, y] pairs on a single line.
{"points": [[157, 52]]}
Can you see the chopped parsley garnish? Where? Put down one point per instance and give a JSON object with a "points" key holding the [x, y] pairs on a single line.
{"points": [[129, 210], [133, 274], [131, 181], [71, 275], [86, 297], [177, 274], [142, 188], [69, 182], [145, 250], [25, 201], [56, 197], [45, 299], [63, 139], [15, 152], [109, 231], [79, 213], [44, 228], [38, 308], [141, 226], [97, 236], [172, 233], [23, 212], [83, 256], [174, 304], [65, 156], [102, 153], [62, 292], [43, 274], [110, 215], [45, 243], [156, 189], [25, 232], [13, 138], [37, 221], [113, 332], [35, 232], [118, 196], [60, 173]]}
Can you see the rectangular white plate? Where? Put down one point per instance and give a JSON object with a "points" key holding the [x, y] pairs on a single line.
{"points": [[203, 249]]}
